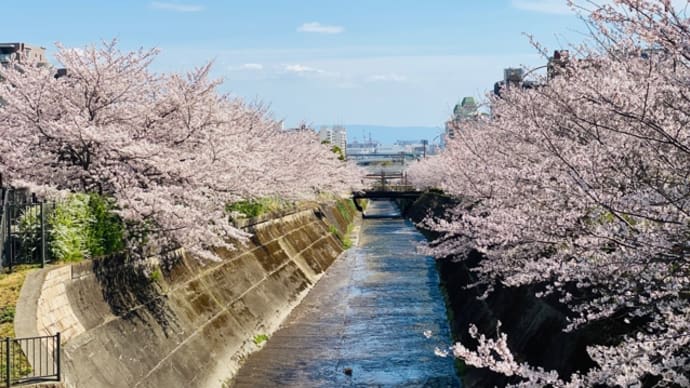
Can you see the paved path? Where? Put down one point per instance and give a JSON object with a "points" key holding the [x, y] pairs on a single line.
{"points": [[366, 316]]}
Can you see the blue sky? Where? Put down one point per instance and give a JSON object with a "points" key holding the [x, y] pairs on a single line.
{"points": [[379, 62]]}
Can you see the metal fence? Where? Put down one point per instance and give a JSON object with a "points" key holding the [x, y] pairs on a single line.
{"points": [[4, 193], [28, 360], [23, 229]]}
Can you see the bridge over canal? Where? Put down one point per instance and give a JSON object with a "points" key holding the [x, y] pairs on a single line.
{"points": [[388, 186]]}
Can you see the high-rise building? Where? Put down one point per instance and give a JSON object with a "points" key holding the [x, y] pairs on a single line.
{"points": [[336, 135]]}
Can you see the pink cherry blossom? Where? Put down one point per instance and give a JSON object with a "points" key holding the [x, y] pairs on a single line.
{"points": [[170, 148], [584, 182]]}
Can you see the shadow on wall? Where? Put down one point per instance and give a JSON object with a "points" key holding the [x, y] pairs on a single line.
{"points": [[125, 286]]}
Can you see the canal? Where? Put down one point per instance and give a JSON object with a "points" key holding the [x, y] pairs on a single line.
{"points": [[364, 323]]}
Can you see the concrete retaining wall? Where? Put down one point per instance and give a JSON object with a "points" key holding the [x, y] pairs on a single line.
{"points": [[189, 324]]}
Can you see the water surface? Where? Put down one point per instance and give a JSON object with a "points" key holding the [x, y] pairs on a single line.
{"points": [[363, 324]]}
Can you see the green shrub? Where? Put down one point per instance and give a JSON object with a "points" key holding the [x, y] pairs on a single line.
{"points": [[7, 314], [28, 229], [69, 228], [106, 232], [83, 226]]}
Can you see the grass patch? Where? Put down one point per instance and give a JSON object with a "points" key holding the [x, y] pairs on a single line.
{"points": [[260, 338], [10, 285], [342, 207], [334, 231], [347, 242], [7, 314], [20, 365], [156, 275], [256, 207], [363, 203]]}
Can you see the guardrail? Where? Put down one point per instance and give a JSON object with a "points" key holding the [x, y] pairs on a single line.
{"points": [[29, 360]]}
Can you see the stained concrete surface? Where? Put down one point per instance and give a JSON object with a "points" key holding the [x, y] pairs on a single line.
{"points": [[191, 326], [363, 324]]}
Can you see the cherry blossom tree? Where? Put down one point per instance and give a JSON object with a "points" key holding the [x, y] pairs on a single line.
{"points": [[169, 148], [581, 186]]}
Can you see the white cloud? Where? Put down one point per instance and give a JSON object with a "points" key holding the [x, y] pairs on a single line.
{"points": [[320, 28], [250, 67], [390, 77], [544, 6], [302, 69], [311, 72], [177, 7]]}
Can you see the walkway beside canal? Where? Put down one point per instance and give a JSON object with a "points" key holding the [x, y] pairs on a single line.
{"points": [[364, 322]]}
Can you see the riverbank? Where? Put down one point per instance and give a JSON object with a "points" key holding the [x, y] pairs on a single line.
{"points": [[183, 322], [533, 325]]}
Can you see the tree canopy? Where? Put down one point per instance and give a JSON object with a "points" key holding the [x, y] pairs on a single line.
{"points": [[581, 186], [169, 148]]}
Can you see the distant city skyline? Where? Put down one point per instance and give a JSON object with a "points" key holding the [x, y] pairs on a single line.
{"points": [[387, 135], [385, 63]]}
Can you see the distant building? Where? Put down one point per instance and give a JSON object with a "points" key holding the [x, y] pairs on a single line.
{"points": [[336, 135], [466, 109], [417, 147], [22, 53], [557, 63], [463, 111], [357, 148], [513, 76], [300, 128]]}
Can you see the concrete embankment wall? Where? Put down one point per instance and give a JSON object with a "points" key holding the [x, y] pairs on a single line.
{"points": [[534, 326], [186, 323]]}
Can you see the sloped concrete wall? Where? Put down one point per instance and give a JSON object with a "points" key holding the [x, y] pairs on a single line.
{"points": [[191, 324]]}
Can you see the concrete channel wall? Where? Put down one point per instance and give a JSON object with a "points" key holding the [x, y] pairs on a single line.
{"points": [[182, 323]]}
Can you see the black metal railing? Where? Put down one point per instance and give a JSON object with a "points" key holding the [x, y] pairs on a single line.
{"points": [[4, 228], [29, 360], [23, 229]]}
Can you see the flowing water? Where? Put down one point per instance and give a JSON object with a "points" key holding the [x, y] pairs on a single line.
{"points": [[363, 324]]}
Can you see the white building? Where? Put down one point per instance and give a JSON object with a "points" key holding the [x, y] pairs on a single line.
{"points": [[336, 135]]}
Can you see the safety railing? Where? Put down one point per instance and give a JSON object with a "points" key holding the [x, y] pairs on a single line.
{"points": [[29, 360]]}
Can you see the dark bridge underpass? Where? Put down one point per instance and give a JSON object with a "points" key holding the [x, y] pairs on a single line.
{"points": [[364, 322]]}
